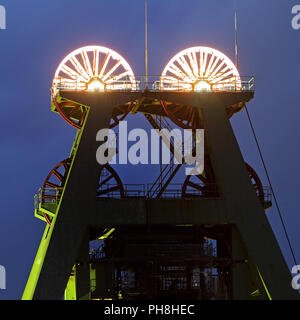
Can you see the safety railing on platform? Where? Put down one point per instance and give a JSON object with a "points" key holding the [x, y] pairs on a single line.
{"points": [[172, 191], [267, 194], [47, 196], [160, 83], [51, 196]]}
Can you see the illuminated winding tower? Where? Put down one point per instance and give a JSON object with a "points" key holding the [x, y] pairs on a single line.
{"points": [[206, 237]]}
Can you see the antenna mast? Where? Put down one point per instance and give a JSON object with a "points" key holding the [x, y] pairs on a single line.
{"points": [[236, 44], [146, 43]]}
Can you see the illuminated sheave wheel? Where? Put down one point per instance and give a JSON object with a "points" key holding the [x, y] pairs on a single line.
{"points": [[91, 68], [94, 68], [200, 69], [110, 184], [55, 182]]}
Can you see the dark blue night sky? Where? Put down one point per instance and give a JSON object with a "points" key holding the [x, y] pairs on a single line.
{"points": [[40, 33]]}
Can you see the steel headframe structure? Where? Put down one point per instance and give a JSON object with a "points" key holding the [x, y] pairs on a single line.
{"points": [[207, 238]]}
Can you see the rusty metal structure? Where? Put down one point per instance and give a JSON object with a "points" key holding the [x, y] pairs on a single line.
{"points": [[205, 238]]}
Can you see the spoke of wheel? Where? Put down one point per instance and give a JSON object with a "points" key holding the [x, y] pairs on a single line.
{"points": [[179, 73], [108, 190], [202, 178], [72, 73], [204, 63], [104, 64], [219, 78], [199, 62], [116, 65], [116, 78], [66, 164], [218, 68], [87, 64], [229, 80], [178, 109], [181, 60], [105, 181], [58, 175], [195, 186], [212, 69], [96, 62], [188, 67], [193, 63], [211, 60], [79, 68]]}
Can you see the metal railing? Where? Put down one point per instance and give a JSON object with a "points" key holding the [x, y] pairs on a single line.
{"points": [[97, 252], [158, 83], [130, 191], [267, 194], [47, 196], [173, 191], [210, 190], [52, 196]]}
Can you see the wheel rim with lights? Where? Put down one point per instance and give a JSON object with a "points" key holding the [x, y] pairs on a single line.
{"points": [[200, 69], [94, 68]]}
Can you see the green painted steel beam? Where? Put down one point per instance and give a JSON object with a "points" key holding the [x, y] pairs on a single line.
{"points": [[41, 253]]}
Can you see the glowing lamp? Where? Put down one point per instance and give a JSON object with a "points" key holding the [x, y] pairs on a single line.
{"points": [[202, 85], [95, 84]]}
